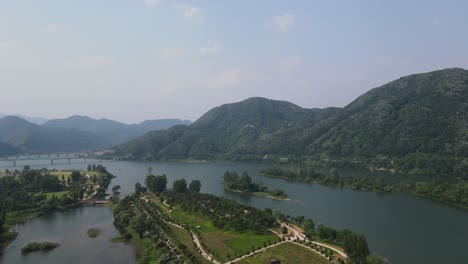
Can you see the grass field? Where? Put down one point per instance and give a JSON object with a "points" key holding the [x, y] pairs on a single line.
{"points": [[58, 194], [223, 244], [286, 253], [21, 217], [66, 173], [180, 236]]}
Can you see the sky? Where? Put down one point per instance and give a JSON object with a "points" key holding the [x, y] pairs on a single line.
{"points": [[133, 60]]}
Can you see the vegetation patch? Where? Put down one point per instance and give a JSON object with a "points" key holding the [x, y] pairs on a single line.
{"points": [[56, 194], [286, 253], [244, 184], [6, 239], [183, 240], [39, 246], [22, 216], [94, 232]]}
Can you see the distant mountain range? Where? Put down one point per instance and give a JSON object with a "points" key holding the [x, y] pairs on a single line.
{"points": [[114, 132], [419, 118], [77, 133], [35, 120]]}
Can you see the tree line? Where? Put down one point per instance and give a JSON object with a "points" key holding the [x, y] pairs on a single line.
{"points": [[232, 181], [450, 193]]}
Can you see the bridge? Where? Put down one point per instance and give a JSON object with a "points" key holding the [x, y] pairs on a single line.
{"points": [[52, 157], [94, 202]]}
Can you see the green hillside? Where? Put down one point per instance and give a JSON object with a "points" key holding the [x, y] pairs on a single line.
{"points": [[231, 129], [416, 124], [6, 149]]}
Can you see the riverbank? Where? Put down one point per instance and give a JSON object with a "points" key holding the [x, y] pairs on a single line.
{"points": [[452, 194], [260, 194]]}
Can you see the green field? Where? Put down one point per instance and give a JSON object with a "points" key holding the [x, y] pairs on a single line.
{"points": [[223, 244], [58, 194], [67, 173], [21, 217], [286, 253], [180, 236]]}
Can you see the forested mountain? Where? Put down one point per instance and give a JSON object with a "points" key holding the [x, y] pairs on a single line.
{"points": [[6, 149], [412, 121], [115, 132], [29, 137], [421, 113], [233, 129]]}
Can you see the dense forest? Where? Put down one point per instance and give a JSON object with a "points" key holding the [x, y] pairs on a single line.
{"points": [[417, 125]]}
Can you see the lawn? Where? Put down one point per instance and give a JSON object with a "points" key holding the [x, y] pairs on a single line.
{"points": [[58, 194], [286, 253], [66, 173], [21, 217], [180, 236], [223, 244]]}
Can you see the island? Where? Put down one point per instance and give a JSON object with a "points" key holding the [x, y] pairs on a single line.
{"points": [[244, 184], [38, 246], [183, 225]]}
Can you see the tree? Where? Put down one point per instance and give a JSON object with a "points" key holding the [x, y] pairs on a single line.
{"points": [[75, 176], [116, 189], [138, 188], [308, 226], [195, 186], [89, 167], [179, 186], [156, 184], [355, 245], [375, 259]]}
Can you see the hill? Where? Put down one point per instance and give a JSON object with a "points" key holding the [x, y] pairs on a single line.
{"points": [[421, 113], [7, 150], [29, 137], [115, 132], [238, 129], [414, 122], [35, 120]]}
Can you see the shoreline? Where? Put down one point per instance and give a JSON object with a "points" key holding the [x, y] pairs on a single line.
{"points": [[372, 190]]}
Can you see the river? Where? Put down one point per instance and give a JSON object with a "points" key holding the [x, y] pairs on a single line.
{"points": [[403, 228]]}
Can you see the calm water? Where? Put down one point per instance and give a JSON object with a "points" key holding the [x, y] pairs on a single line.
{"points": [[400, 227]]}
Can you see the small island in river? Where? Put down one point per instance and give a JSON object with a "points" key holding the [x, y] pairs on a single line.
{"points": [[39, 246], [243, 184]]}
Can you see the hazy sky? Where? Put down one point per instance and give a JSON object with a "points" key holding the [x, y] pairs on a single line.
{"points": [[132, 60]]}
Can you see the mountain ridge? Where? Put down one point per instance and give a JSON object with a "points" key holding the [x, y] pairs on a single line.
{"points": [[414, 119]]}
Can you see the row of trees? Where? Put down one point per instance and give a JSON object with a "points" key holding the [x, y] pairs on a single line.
{"points": [[232, 181], [230, 215], [452, 193]]}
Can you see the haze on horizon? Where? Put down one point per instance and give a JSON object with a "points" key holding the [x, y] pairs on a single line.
{"points": [[149, 59]]}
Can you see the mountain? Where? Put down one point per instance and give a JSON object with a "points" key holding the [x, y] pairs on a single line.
{"points": [[231, 129], [29, 137], [416, 122], [35, 120], [115, 132], [421, 113], [7, 150]]}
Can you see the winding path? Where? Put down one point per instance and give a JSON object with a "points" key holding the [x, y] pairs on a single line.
{"points": [[297, 236]]}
